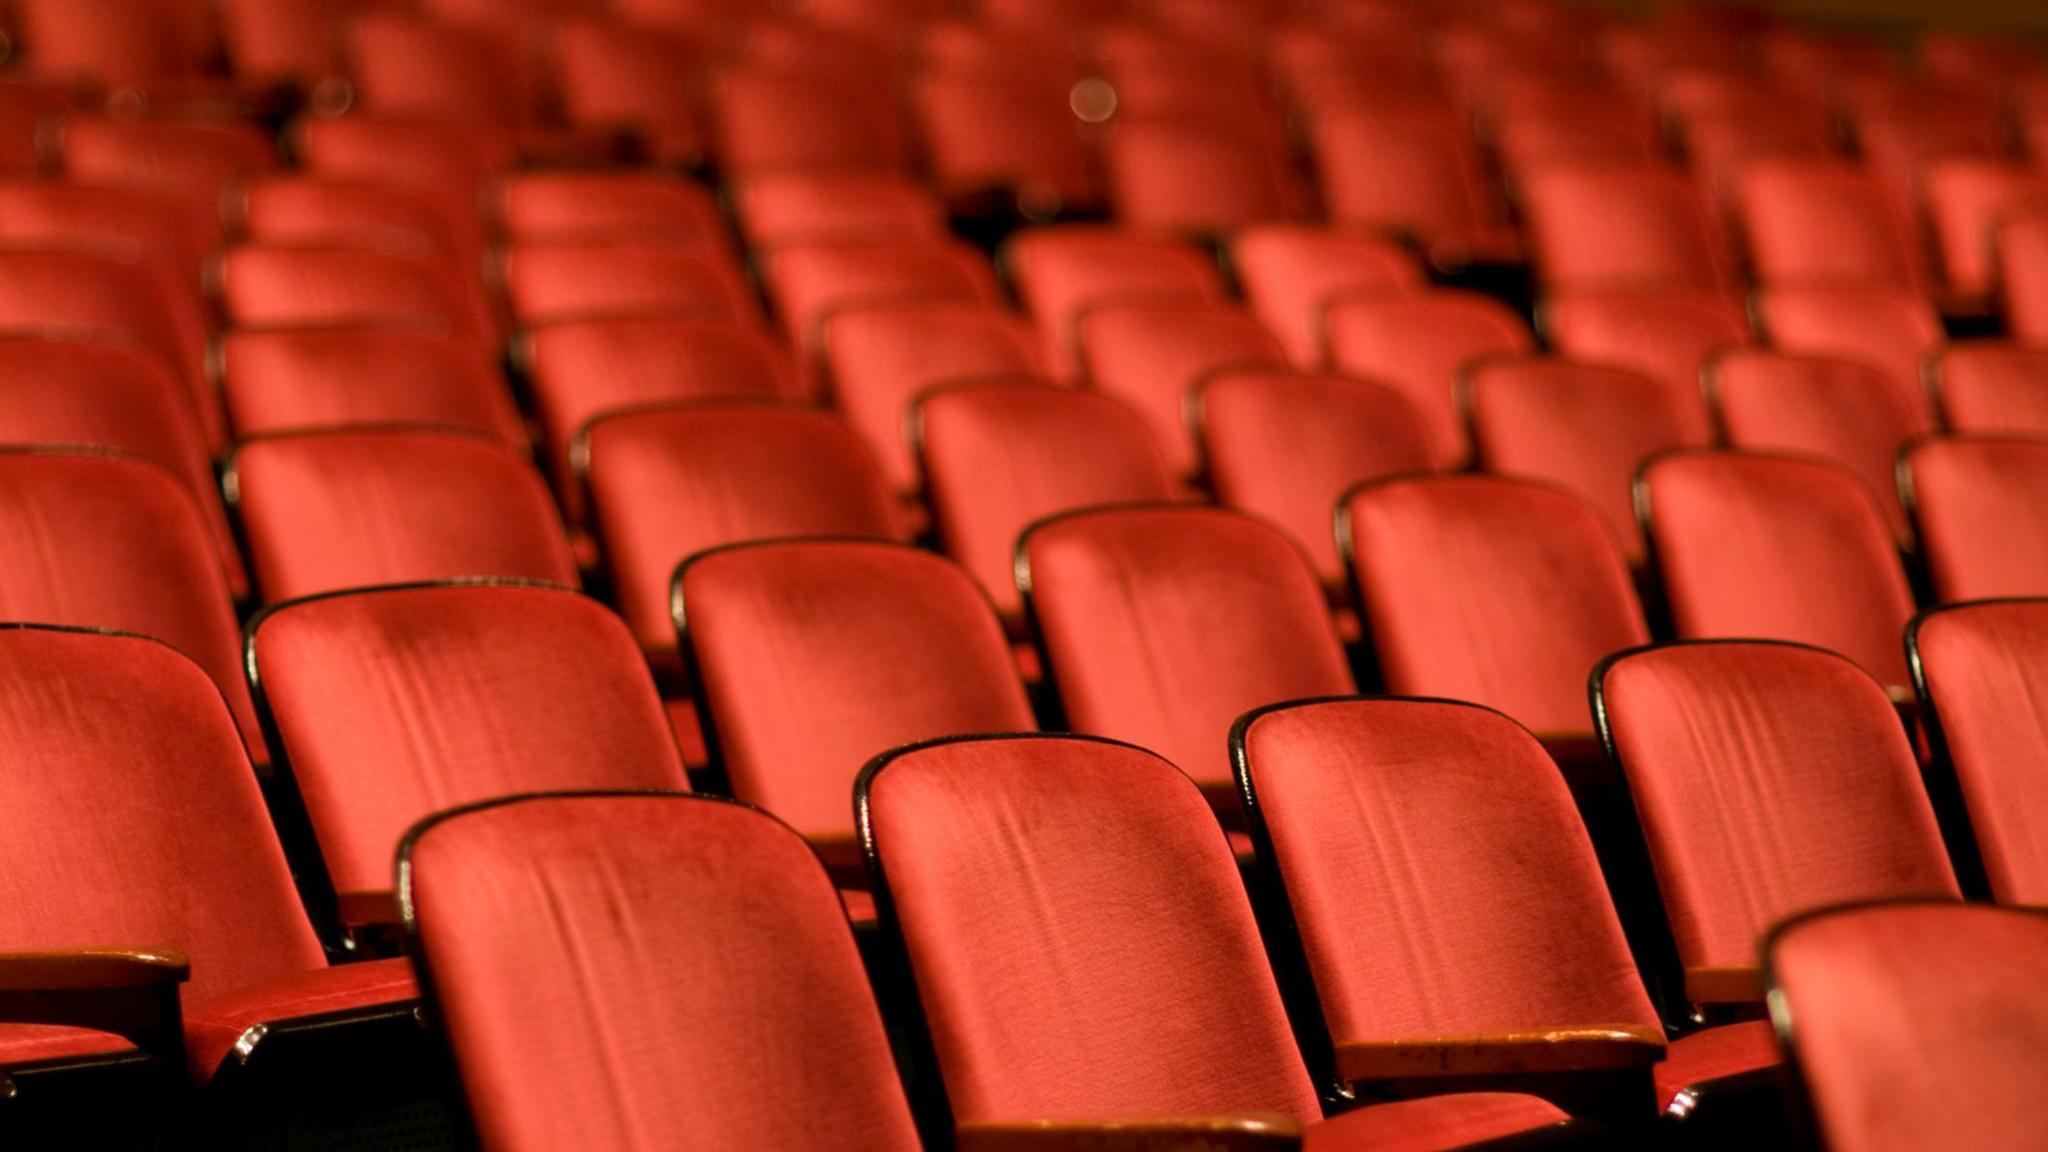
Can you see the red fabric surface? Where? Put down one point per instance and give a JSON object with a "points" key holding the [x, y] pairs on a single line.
{"points": [[2022, 257], [1890, 330], [879, 360], [304, 210], [1992, 386], [1153, 356], [1432, 1123], [1846, 413], [343, 509], [1080, 937], [998, 457], [400, 703], [405, 66], [113, 43], [1967, 199], [1439, 874], [110, 848], [777, 208], [1986, 668], [194, 161], [1164, 625], [277, 287], [601, 205], [997, 131], [117, 543], [1712, 1053], [322, 378], [1582, 427], [768, 118], [143, 226], [27, 1044], [1420, 343], [1770, 780], [1200, 177], [1920, 1027], [579, 370], [667, 483], [1408, 169], [266, 40], [450, 162], [1983, 524], [617, 74], [549, 281], [818, 656], [1666, 336], [808, 282], [1780, 548], [1825, 222], [1495, 591], [1286, 446], [1608, 224], [1061, 272], [677, 971], [213, 1024], [1291, 273]]}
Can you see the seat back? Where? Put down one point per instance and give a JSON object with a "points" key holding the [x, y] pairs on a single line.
{"points": [[1936, 996], [699, 935], [397, 702], [1061, 272], [808, 283], [1421, 344], [1667, 336], [2022, 288], [1162, 625], [563, 206], [1603, 225], [1990, 386], [1825, 223], [560, 280], [287, 380], [1967, 197], [1404, 169], [280, 287], [195, 161], [836, 208], [815, 656], [1498, 591], [1976, 503], [768, 119], [1770, 779], [1292, 273], [287, 211], [1197, 176], [1890, 330], [323, 511], [1103, 861], [1154, 356]]}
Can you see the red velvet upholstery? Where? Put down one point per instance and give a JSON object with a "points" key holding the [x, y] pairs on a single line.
{"points": [[396, 703], [1846, 413], [1162, 625], [1770, 779], [1153, 357], [993, 132], [283, 41], [1491, 590], [999, 457], [215, 1027], [450, 162], [568, 206], [108, 395], [1917, 1026], [1978, 504], [836, 207], [1712, 1053], [98, 835], [620, 77], [1421, 343], [879, 360], [406, 66], [1408, 169], [1825, 223], [344, 509], [194, 161], [808, 283], [1582, 427], [1605, 225], [1062, 272], [668, 482], [782, 120], [1667, 336], [288, 380], [1891, 330], [118, 542], [1196, 176], [115, 45], [26, 1045], [1286, 445], [2023, 287], [551, 281], [579, 370], [1991, 386], [1015, 867], [277, 287], [1967, 198], [1980, 668], [310, 211], [817, 656], [144, 226], [1291, 273], [1781, 548], [676, 970]]}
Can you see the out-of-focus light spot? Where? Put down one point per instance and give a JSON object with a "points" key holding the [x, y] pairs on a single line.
{"points": [[1093, 100]]}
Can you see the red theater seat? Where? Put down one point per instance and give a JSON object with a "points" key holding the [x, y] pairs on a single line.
{"points": [[571, 206], [1967, 198], [304, 211], [288, 380], [1770, 779], [836, 208], [623, 77], [707, 940], [403, 66], [111, 44], [1605, 225], [2023, 287], [1414, 171], [293, 42], [1893, 331], [1777, 547], [280, 287], [394, 703], [1667, 336], [1913, 1025], [1197, 177], [668, 481], [1154, 356], [144, 227], [997, 135], [1287, 445], [324, 511], [808, 283], [196, 162], [1062, 272], [552, 281], [1501, 592], [1111, 828], [1990, 386], [1292, 274], [767, 120], [1826, 223], [1161, 625], [1980, 507], [1422, 343], [452, 163], [813, 657]]}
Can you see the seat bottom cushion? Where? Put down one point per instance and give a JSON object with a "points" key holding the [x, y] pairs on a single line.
{"points": [[1433, 1123], [24, 1045], [1712, 1053], [213, 1027]]}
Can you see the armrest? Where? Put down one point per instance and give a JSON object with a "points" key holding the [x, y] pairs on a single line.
{"points": [[1724, 985], [133, 994], [366, 909], [1504, 1053], [92, 969], [1201, 1134], [843, 859]]}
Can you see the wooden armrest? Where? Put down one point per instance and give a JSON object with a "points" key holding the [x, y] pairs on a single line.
{"points": [[92, 969], [1724, 985], [133, 994], [366, 909], [1605, 1046], [1201, 1134]]}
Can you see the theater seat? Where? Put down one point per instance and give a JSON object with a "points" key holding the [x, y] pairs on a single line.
{"points": [[561, 280], [808, 283], [264, 286], [1603, 225], [1422, 343], [2023, 289], [1154, 357], [1060, 272], [287, 380], [1977, 508], [1293, 273], [1891, 330], [575, 206], [1668, 336], [1990, 386]]}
